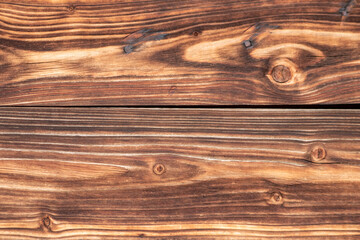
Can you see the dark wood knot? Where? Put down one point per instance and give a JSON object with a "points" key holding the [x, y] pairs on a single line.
{"points": [[318, 153], [284, 72], [195, 33], [276, 198], [159, 169], [281, 74], [46, 221], [71, 8]]}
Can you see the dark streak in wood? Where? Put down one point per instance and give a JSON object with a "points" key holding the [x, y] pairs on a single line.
{"points": [[345, 11]]}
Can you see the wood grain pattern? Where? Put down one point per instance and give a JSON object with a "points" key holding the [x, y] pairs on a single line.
{"points": [[96, 173], [201, 52]]}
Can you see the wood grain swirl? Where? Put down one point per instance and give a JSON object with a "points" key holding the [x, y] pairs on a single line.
{"points": [[110, 173], [57, 52]]}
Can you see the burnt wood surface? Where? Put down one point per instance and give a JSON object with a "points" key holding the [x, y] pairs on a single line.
{"points": [[161, 52], [97, 173], [179, 119]]}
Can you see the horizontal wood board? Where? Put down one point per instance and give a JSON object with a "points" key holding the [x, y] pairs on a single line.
{"points": [[124, 173], [161, 52]]}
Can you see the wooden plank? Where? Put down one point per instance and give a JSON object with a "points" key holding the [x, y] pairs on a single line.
{"points": [[96, 173], [201, 52]]}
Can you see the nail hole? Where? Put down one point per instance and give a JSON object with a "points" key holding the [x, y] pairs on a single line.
{"points": [[318, 153], [281, 74], [128, 49], [248, 43], [159, 169]]}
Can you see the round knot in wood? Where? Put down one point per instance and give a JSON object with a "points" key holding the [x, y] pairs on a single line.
{"points": [[159, 169], [318, 154], [276, 198], [196, 33], [281, 74]]}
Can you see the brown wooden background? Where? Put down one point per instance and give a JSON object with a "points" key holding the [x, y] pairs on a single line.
{"points": [[162, 119]]}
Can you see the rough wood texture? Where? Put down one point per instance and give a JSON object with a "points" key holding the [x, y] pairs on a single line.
{"points": [[179, 173], [162, 52]]}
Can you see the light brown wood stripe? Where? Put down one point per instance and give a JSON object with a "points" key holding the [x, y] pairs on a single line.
{"points": [[121, 53], [99, 173]]}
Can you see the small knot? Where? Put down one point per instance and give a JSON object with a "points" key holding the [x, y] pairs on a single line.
{"points": [[276, 198], [172, 90], [47, 222], [318, 153], [71, 8], [281, 74], [196, 33], [248, 43], [159, 169]]}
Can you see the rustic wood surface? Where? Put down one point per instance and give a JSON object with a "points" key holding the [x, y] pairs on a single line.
{"points": [[96, 173], [161, 52], [179, 173]]}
